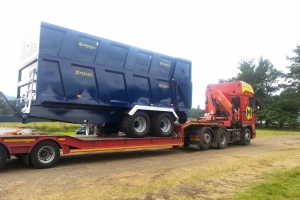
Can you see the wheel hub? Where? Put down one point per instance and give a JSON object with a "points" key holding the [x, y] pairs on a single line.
{"points": [[165, 124], [140, 124], [222, 139], [247, 136], [206, 138], [137, 124], [162, 124], [46, 154]]}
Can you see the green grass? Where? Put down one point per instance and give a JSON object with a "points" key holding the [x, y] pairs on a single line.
{"points": [[282, 185], [68, 128], [66, 133], [266, 132], [52, 127]]}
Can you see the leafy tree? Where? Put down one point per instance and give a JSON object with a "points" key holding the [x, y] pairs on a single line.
{"points": [[267, 76], [281, 110], [247, 72], [4, 108], [267, 79], [289, 105], [196, 112], [264, 78], [293, 76], [293, 82], [228, 80]]}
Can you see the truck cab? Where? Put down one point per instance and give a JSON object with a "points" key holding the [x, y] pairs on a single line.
{"points": [[233, 100], [230, 116]]}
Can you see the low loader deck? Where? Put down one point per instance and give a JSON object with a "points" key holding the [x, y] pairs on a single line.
{"points": [[43, 150], [20, 144]]}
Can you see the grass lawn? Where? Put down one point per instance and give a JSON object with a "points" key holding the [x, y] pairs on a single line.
{"points": [[71, 133], [282, 185], [53, 127], [274, 185], [69, 129], [266, 132]]}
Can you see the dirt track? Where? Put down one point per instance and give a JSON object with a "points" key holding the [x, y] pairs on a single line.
{"points": [[161, 173]]}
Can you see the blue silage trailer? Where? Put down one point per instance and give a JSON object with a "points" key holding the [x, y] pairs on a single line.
{"points": [[70, 76]]}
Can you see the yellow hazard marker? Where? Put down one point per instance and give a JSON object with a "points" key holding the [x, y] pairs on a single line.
{"points": [[248, 113]]}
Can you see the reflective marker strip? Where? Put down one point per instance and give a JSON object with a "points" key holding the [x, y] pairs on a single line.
{"points": [[119, 148], [18, 140]]}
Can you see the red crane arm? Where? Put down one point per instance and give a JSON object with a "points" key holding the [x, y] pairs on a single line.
{"points": [[217, 102]]}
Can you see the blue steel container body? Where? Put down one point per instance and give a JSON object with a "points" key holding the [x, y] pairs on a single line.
{"points": [[84, 78]]}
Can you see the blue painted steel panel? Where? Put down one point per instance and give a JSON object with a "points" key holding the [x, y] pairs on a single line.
{"points": [[100, 79], [142, 95], [52, 82]]}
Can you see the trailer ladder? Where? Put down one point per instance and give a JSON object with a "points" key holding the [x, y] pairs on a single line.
{"points": [[30, 93]]}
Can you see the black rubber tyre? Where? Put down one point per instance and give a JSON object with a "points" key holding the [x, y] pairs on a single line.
{"points": [[44, 154], [137, 125], [246, 137], [108, 128], [205, 138], [18, 156], [222, 138], [92, 131], [182, 120], [23, 158], [3, 157], [182, 117], [162, 124]]}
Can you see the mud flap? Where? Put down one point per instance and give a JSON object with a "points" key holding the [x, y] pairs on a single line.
{"points": [[194, 141], [25, 158], [214, 144]]}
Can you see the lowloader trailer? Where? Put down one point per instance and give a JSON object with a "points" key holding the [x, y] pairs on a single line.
{"points": [[43, 151], [74, 77], [230, 117]]}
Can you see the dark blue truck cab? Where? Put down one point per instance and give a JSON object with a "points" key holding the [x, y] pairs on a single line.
{"points": [[75, 77]]}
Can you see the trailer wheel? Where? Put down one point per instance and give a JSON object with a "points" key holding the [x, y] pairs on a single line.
{"points": [[108, 128], [137, 125], [182, 120], [162, 124], [3, 157], [246, 137], [205, 138], [45, 154], [182, 117], [222, 138]]}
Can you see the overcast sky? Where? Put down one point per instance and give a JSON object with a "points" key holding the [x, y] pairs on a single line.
{"points": [[214, 35]]}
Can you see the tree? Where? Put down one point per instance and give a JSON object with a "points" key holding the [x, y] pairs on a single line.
{"points": [[293, 82], [293, 76], [264, 79], [247, 72], [280, 110], [268, 77], [4, 108], [228, 80], [196, 112]]}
